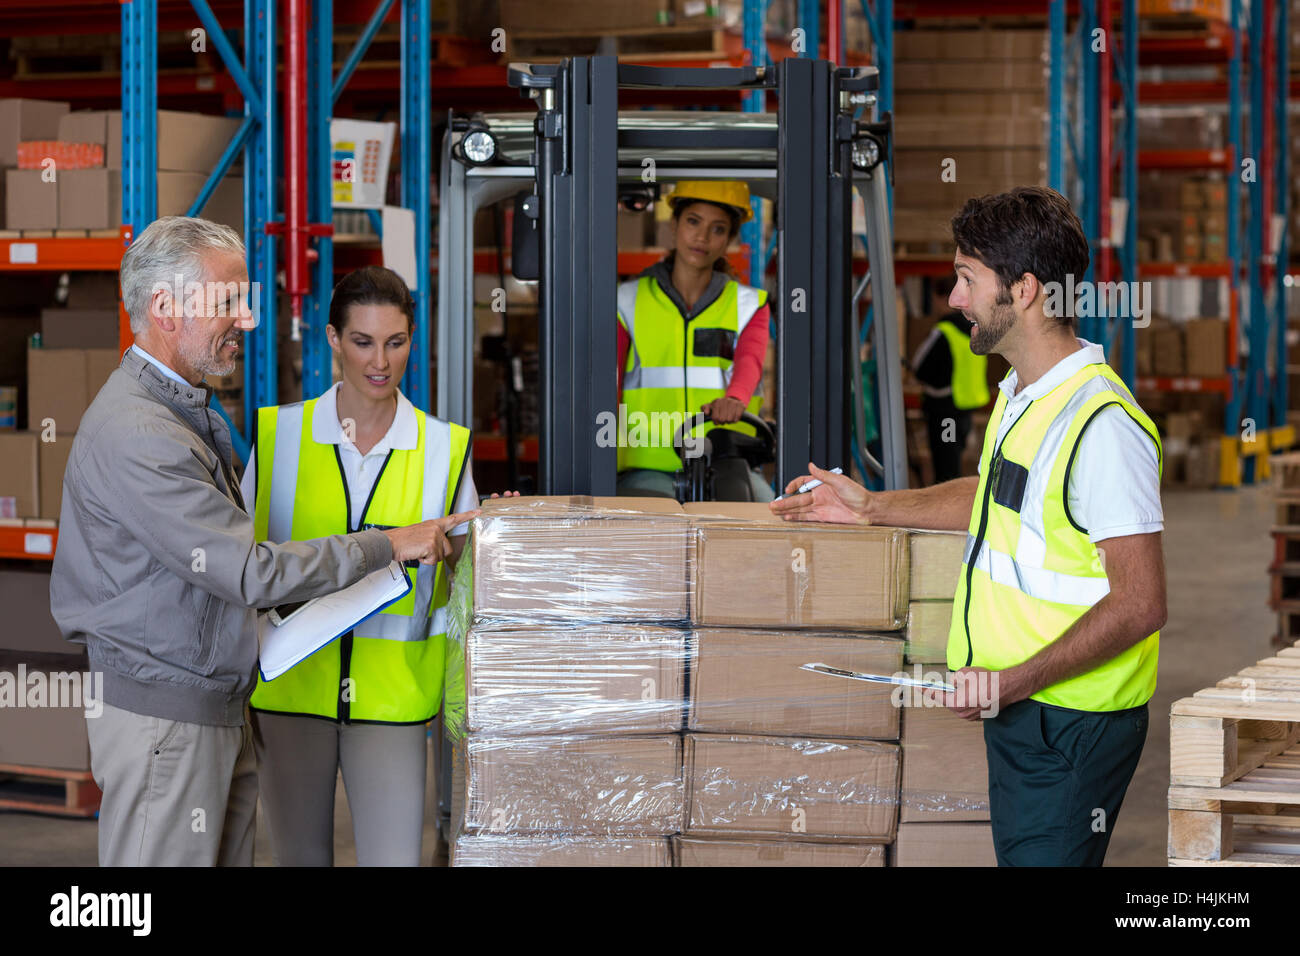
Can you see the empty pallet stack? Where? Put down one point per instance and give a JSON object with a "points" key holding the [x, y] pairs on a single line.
{"points": [[1234, 764], [970, 121], [1284, 571], [635, 693]]}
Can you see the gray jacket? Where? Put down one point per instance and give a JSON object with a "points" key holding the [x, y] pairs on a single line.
{"points": [[157, 571]]}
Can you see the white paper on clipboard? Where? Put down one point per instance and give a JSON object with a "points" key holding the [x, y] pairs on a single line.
{"points": [[324, 619]]}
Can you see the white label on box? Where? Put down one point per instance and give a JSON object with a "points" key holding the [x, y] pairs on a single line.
{"points": [[36, 543], [8, 506], [22, 253]]}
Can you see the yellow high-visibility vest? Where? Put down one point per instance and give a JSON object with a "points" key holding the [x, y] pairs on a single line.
{"points": [[970, 382], [674, 366], [1029, 570], [390, 668]]}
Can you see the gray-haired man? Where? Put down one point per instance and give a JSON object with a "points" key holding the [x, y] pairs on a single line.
{"points": [[157, 570]]}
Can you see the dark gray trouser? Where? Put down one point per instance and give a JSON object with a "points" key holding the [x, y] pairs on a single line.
{"points": [[1057, 778], [383, 765], [175, 793]]}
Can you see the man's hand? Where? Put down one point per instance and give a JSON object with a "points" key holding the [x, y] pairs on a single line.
{"points": [[724, 410], [426, 542], [508, 494], [839, 499]]}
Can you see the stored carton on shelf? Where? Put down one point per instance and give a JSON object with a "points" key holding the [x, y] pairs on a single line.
{"points": [[928, 623], [578, 557], [46, 736], [693, 851], [79, 328], [31, 202], [53, 460], [582, 786], [934, 564], [749, 681], [752, 569], [795, 788], [491, 850], [945, 769], [943, 844], [20, 474], [22, 119], [28, 627], [90, 199], [590, 679], [1206, 345], [61, 383]]}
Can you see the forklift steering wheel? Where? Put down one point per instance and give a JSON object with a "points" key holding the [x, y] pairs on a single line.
{"points": [[762, 428]]}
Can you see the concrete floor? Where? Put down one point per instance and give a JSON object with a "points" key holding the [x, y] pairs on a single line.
{"points": [[1216, 551]]}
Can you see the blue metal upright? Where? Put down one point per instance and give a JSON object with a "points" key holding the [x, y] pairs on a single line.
{"points": [[1281, 207], [755, 101], [1255, 385], [1089, 210], [1057, 118], [417, 173], [1126, 61], [261, 163], [1232, 411], [316, 355], [139, 113]]}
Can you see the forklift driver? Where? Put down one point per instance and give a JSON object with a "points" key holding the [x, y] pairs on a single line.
{"points": [[690, 337]]}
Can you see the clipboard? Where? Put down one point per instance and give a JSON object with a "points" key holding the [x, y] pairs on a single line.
{"points": [[325, 619], [901, 680]]}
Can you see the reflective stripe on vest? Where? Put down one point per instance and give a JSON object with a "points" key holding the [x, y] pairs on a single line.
{"points": [[664, 376], [397, 657], [970, 384], [1029, 572]]}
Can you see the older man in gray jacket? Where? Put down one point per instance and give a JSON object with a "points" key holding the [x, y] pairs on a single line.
{"points": [[158, 571]]}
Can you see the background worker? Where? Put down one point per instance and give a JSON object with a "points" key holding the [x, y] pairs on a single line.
{"points": [[359, 456], [158, 569], [690, 337], [1062, 591], [954, 382]]}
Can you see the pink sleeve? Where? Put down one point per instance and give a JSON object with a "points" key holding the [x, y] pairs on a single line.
{"points": [[624, 343], [751, 350]]}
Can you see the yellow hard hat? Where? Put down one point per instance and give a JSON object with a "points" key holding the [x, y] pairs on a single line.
{"points": [[729, 192]]}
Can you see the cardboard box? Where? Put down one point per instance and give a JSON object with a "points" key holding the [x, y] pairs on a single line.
{"points": [[750, 682], [934, 564], [804, 789], [192, 142], [945, 769], [53, 456], [580, 786], [580, 16], [1167, 351], [85, 126], [829, 577], [53, 737], [20, 472], [61, 384], [928, 624], [944, 844], [564, 558], [29, 628], [601, 679], [984, 75], [1206, 344], [90, 199], [633, 229], [30, 201], [939, 130], [27, 119], [695, 852], [79, 328], [178, 190], [486, 850]]}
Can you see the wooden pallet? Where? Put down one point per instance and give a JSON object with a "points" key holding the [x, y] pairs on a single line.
{"points": [[64, 793], [1234, 765], [1285, 472]]}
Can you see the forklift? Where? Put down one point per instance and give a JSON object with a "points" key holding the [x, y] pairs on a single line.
{"points": [[568, 162]]}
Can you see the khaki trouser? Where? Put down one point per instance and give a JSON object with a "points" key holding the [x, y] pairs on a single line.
{"points": [[383, 765], [175, 793]]}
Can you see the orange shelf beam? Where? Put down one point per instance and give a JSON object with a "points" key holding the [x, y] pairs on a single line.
{"points": [[61, 255], [30, 543]]}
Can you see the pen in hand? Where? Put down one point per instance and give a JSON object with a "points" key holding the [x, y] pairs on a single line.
{"points": [[808, 486]]}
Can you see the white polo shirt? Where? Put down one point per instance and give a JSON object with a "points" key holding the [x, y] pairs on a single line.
{"points": [[361, 471], [1115, 479]]}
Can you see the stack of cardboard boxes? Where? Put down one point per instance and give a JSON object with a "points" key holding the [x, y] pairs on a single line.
{"points": [[970, 121], [635, 692], [44, 193], [1183, 218]]}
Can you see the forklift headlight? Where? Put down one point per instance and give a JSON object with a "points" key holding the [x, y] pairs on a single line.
{"points": [[866, 153], [478, 147]]}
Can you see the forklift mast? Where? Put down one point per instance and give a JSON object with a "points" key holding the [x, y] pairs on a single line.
{"points": [[582, 148]]}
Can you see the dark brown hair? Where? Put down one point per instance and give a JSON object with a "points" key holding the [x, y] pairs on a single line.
{"points": [[721, 264], [371, 285], [1030, 229]]}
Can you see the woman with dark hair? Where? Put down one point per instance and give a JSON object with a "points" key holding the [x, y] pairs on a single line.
{"points": [[358, 456], [690, 338]]}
